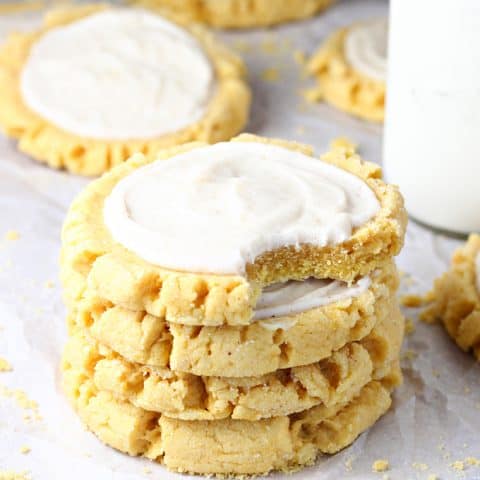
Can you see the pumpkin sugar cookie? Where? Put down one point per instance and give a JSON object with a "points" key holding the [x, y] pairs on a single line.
{"points": [[456, 298], [350, 68], [229, 446], [202, 276], [263, 346], [239, 13], [338, 378], [126, 90]]}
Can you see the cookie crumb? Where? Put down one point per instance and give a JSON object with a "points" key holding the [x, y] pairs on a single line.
{"points": [[11, 475], [5, 365], [270, 74], [458, 465], [22, 400], [300, 57], [380, 465], [343, 143], [409, 326], [472, 461], [348, 464], [12, 235], [24, 449], [420, 466], [432, 476], [412, 301], [313, 95], [147, 471], [409, 355], [49, 284]]}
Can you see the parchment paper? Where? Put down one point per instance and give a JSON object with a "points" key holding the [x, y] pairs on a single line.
{"points": [[435, 419]]}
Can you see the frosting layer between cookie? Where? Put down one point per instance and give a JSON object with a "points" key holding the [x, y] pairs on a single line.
{"points": [[293, 296], [240, 199], [118, 74], [366, 48]]}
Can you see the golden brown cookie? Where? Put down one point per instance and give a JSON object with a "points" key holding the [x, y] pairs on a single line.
{"points": [[235, 447], [336, 379], [239, 13], [226, 115], [258, 348], [93, 262], [343, 86], [456, 299]]}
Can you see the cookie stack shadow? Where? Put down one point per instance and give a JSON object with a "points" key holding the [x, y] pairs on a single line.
{"points": [[171, 366]]}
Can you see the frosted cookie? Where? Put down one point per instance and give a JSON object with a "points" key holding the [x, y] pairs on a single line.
{"points": [[264, 346], [239, 13], [337, 379], [254, 212], [456, 297], [127, 89], [351, 68], [228, 446]]}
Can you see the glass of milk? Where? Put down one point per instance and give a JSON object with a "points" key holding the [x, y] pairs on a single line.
{"points": [[432, 122]]}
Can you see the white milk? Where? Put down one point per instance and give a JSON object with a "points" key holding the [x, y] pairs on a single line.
{"points": [[432, 125]]}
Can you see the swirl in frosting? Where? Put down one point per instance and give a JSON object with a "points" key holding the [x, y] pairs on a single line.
{"points": [[366, 48], [216, 208], [118, 74]]}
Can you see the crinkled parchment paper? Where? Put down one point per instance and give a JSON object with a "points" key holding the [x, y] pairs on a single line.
{"points": [[435, 419]]}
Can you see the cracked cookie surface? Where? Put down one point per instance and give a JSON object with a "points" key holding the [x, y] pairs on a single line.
{"points": [[93, 262], [232, 351], [235, 447], [456, 298], [336, 379]]}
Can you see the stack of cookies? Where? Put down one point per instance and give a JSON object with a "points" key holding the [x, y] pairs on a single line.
{"points": [[232, 307]]}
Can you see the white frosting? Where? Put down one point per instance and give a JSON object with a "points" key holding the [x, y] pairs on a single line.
{"points": [[477, 266], [122, 73], [216, 208], [366, 48], [292, 297]]}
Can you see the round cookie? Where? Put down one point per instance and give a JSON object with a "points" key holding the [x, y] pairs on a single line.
{"points": [[337, 379], [342, 84], [239, 13], [456, 297], [48, 141], [229, 446], [93, 262], [259, 348]]}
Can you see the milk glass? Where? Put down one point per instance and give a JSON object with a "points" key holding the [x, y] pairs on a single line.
{"points": [[432, 124]]}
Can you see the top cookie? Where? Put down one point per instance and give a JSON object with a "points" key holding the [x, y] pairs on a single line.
{"points": [[127, 89], [239, 13], [250, 213]]}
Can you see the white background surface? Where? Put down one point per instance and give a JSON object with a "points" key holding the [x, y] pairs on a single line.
{"points": [[436, 415]]}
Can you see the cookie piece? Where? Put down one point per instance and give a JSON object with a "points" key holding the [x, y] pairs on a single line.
{"points": [[228, 446], [261, 347], [337, 379], [456, 298], [343, 85], [92, 261], [59, 147], [239, 13]]}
